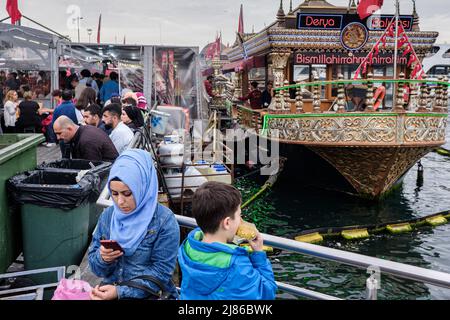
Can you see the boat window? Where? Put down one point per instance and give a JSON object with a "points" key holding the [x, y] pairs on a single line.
{"points": [[301, 72], [321, 71], [258, 75], [348, 71], [438, 70], [446, 54], [433, 51]]}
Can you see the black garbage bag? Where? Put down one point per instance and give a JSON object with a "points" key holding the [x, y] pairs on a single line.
{"points": [[99, 167], [53, 189]]}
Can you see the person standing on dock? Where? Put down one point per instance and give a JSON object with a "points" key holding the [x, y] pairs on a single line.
{"points": [[120, 135], [92, 116], [10, 110], [86, 142], [109, 87], [212, 267]]}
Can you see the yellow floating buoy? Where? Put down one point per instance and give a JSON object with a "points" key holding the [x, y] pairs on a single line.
{"points": [[310, 238], [442, 152], [436, 221], [399, 228], [355, 234]]}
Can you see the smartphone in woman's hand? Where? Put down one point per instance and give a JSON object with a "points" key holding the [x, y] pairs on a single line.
{"points": [[111, 244]]}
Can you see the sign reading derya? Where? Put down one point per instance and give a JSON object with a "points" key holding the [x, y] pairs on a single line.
{"points": [[320, 21]]}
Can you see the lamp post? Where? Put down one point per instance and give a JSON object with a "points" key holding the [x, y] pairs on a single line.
{"points": [[89, 31], [78, 25]]}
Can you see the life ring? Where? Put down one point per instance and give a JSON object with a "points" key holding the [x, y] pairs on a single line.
{"points": [[378, 97]]}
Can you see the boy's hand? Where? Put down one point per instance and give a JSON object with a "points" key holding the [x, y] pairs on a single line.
{"points": [[109, 255], [257, 243], [107, 292]]}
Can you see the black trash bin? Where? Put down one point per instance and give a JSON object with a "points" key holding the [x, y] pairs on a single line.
{"points": [[55, 215], [75, 165]]}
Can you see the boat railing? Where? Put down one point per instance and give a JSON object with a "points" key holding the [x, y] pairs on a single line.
{"points": [[374, 266], [425, 96]]}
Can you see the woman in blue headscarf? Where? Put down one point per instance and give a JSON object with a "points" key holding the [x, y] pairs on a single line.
{"points": [[146, 231]]}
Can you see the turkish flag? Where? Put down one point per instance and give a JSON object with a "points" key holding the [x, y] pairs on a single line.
{"points": [[99, 28], [241, 20], [368, 7], [13, 10]]}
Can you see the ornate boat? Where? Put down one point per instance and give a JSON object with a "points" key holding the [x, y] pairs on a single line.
{"points": [[319, 133]]}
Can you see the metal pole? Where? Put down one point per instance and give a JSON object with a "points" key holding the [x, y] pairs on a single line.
{"points": [[397, 12], [78, 19]]}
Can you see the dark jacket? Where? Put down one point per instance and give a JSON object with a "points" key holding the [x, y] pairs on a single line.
{"points": [[266, 98], [91, 143], [67, 108], [29, 116], [255, 99]]}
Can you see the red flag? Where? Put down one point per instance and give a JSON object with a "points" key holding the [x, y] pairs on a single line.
{"points": [[210, 51], [99, 28], [241, 21], [408, 49], [367, 7], [412, 59], [217, 46], [13, 10], [377, 49]]}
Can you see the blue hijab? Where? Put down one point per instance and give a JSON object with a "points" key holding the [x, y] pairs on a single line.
{"points": [[134, 168]]}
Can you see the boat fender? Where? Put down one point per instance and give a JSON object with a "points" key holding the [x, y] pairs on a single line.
{"points": [[310, 238], [436, 221], [399, 228], [355, 234]]}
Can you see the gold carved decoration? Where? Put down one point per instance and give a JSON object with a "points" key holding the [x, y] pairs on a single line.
{"points": [[372, 171]]}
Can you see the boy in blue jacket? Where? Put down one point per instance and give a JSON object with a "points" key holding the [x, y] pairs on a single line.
{"points": [[211, 267]]}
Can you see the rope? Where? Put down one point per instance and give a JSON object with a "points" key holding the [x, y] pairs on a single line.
{"points": [[269, 183]]}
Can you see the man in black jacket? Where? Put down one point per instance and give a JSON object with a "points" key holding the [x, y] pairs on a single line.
{"points": [[86, 142]]}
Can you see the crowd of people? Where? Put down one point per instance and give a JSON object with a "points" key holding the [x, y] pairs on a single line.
{"points": [[92, 101]]}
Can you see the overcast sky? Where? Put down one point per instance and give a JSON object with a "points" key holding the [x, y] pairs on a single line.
{"points": [[188, 22]]}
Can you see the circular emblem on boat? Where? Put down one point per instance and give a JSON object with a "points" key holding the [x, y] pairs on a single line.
{"points": [[354, 36]]}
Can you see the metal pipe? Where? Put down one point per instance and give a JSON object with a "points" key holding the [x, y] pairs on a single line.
{"points": [[304, 292], [401, 270]]}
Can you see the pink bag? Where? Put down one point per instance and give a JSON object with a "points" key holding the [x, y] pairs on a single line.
{"points": [[72, 290]]}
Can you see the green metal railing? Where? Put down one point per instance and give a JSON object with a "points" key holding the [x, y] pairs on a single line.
{"points": [[361, 81]]}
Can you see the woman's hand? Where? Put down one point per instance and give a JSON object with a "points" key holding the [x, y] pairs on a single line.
{"points": [[257, 243], [109, 255], [107, 292]]}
